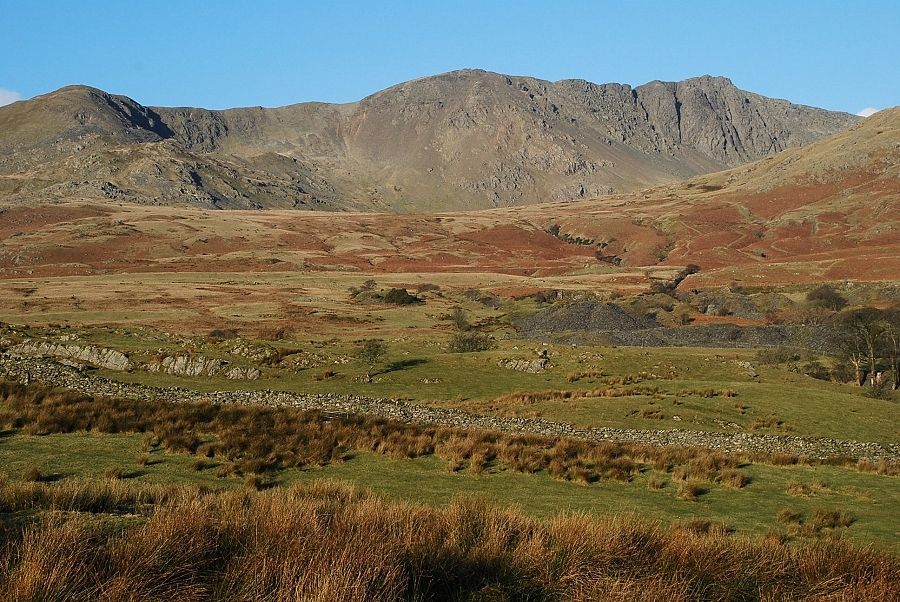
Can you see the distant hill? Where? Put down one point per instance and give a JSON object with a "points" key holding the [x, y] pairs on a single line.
{"points": [[462, 140], [829, 211]]}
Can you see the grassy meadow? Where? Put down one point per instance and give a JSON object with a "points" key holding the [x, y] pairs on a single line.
{"points": [[115, 474]]}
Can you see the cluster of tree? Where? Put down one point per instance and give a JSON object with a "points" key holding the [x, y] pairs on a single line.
{"points": [[825, 296], [869, 340]]}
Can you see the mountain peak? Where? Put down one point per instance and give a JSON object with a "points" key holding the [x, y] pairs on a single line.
{"points": [[464, 139]]}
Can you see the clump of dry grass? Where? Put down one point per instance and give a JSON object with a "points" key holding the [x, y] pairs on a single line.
{"points": [[702, 526], [823, 518], [33, 474], [656, 483], [706, 467], [813, 488], [115, 473], [330, 542], [532, 397], [819, 522], [325, 375], [789, 517], [733, 478], [770, 422], [590, 374], [882, 467], [689, 491], [652, 414]]}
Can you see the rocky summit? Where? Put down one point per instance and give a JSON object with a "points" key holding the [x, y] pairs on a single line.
{"points": [[462, 140]]}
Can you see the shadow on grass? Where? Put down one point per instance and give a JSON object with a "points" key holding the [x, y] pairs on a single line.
{"points": [[403, 365]]}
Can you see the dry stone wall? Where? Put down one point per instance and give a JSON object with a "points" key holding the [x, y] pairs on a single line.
{"points": [[55, 374]]}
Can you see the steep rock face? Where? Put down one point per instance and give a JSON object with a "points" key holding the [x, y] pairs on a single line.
{"points": [[461, 140]]}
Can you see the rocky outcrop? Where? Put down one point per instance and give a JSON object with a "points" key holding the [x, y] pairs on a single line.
{"points": [[89, 354], [238, 373], [187, 365], [199, 365], [252, 351], [529, 366]]}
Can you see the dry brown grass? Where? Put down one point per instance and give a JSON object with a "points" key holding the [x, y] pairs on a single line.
{"points": [[330, 542], [689, 491], [656, 482], [261, 440], [882, 467], [813, 488], [733, 478], [242, 440], [531, 397]]}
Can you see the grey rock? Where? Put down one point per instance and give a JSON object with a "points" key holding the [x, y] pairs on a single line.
{"points": [[199, 365], [96, 356]]}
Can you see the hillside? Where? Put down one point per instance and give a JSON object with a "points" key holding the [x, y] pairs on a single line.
{"points": [[827, 211], [461, 140]]}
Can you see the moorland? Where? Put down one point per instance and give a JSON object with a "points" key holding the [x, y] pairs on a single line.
{"points": [[687, 391]]}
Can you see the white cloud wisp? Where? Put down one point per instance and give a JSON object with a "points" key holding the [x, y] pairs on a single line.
{"points": [[8, 96]]}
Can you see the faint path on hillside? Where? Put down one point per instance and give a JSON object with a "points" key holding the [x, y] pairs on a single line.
{"points": [[53, 373]]}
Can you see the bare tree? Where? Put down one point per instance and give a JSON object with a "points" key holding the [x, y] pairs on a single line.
{"points": [[460, 319], [890, 330], [370, 352], [859, 335]]}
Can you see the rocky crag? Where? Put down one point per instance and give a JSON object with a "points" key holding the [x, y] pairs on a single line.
{"points": [[462, 140]]}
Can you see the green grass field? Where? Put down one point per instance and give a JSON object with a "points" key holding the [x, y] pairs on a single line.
{"points": [[418, 367], [871, 499], [422, 371]]}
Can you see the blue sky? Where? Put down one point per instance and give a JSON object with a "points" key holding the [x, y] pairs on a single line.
{"points": [[216, 54]]}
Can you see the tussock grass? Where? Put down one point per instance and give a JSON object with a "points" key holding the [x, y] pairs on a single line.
{"points": [[330, 542], [250, 440], [245, 440], [814, 488], [531, 397]]}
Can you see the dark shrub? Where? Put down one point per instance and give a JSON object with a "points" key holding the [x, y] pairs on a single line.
{"points": [[468, 342], [825, 296], [222, 334], [400, 296]]}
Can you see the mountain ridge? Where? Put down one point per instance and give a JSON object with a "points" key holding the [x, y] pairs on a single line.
{"points": [[825, 212], [465, 139]]}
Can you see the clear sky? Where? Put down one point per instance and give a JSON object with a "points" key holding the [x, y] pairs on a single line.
{"points": [[222, 53]]}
